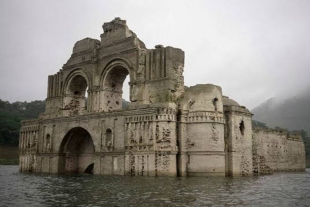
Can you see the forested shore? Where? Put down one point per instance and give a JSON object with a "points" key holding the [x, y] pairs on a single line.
{"points": [[11, 115]]}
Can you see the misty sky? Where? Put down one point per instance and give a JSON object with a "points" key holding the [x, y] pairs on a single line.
{"points": [[254, 50]]}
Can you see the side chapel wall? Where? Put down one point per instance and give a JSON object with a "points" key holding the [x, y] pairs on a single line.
{"points": [[275, 151]]}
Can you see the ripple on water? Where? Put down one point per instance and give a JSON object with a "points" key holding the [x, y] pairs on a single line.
{"points": [[280, 189]]}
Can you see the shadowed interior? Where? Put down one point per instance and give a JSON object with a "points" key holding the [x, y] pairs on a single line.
{"points": [[77, 151]]}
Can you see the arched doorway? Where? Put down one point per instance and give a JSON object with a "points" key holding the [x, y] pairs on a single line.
{"points": [[77, 150], [113, 85], [75, 95]]}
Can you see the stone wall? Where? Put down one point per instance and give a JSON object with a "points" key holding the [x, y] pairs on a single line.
{"points": [[28, 147], [275, 151], [167, 129], [131, 142], [201, 132], [238, 141]]}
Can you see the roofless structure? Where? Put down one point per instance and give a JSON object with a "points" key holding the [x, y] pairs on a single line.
{"points": [[167, 129]]}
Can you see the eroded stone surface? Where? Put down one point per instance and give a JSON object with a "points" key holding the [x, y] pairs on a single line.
{"points": [[167, 130]]}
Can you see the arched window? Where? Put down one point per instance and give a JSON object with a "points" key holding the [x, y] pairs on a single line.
{"points": [[115, 90], [76, 93], [78, 86]]}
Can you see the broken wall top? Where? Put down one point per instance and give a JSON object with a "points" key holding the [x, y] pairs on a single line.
{"points": [[99, 68], [117, 30], [202, 97]]}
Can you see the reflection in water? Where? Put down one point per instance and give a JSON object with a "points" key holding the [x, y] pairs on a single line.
{"points": [[280, 189]]}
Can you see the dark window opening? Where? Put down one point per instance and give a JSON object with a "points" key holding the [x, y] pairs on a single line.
{"points": [[109, 138], [241, 127], [214, 101]]}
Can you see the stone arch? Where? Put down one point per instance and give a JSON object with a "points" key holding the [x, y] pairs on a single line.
{"points": [[76, 151], [76, 72], [112, 80], [75, 92], [120, 62]]}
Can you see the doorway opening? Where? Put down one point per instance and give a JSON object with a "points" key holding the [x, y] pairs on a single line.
{"points": [[77, 150], [76, 95], [90, 169], [116, 89]]}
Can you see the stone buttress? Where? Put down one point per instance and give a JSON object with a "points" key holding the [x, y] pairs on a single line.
{"points": [[201, 132], [238, 138]]}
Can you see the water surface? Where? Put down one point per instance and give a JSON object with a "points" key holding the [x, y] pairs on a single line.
{"points": [[279, 189]]}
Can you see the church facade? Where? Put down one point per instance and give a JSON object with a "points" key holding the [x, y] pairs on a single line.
{"points": [[167, 129]]}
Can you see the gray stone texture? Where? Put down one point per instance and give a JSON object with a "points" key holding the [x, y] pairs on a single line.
{"points": [[167, 130]]}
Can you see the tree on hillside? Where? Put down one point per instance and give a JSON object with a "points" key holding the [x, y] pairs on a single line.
{"points": [[11, 115], [306, 140], [258, 124]]}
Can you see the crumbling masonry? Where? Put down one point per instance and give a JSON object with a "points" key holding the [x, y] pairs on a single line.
{"points": [[167, 130]]}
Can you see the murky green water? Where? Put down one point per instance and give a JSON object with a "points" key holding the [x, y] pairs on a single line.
{"points": [[280, 189]]}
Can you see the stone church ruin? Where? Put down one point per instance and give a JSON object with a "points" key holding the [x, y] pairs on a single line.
{"points": [[168, 129]]}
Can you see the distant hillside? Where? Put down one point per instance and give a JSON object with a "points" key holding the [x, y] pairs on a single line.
{"points": [[125, 104], [10, 116], [292, 113]]}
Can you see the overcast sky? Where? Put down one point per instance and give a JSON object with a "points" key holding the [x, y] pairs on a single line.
{"points": [[254, 50]]}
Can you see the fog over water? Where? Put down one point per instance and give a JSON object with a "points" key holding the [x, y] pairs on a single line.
{"points": [[280, 189], [254, 50]]}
